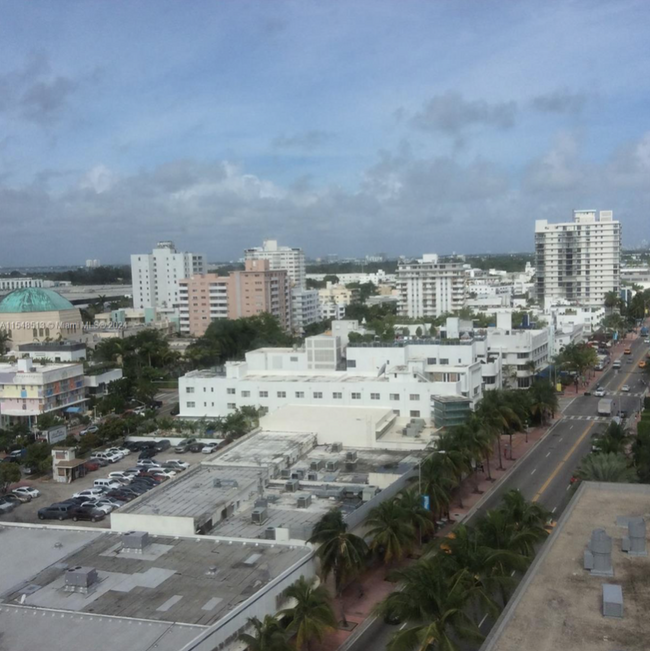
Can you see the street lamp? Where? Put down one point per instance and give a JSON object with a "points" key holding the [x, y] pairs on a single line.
{"points": [[526, 425]]}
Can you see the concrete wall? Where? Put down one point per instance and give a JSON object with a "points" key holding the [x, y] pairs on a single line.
{"points": [[163, 525]]}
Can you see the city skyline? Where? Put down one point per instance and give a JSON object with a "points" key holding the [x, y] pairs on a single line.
{"points": [[229, 124]]}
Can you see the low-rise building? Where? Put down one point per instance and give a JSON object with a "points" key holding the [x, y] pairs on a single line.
{"points": [[305, 309], [55, 351]]}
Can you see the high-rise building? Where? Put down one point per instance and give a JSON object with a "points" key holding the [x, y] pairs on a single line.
{"points": [[204, 298], [92, 264], [281, 257], [578, 261], [430, 287], [155, 276]]}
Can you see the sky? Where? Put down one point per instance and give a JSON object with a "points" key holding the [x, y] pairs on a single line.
{"points": [[339, 126]]}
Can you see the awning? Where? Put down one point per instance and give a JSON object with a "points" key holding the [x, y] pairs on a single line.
{"points": [[73, 410]]}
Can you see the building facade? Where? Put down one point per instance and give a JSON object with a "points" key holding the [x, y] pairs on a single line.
{"points": [[430, 287], [156, 275], [292, 260], [9, 284], [305, 308], [578, 261]]}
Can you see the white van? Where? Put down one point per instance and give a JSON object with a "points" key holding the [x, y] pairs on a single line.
{"points": [[106, 483], [106, 456]]}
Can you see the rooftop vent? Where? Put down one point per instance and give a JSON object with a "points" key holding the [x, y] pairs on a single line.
{"points": [[80, 579], [135, 541], [292, 485], [224, 483], [634, 543], [304, 501], [598, 555], [612, 600], [259, 515], [337, 447]]}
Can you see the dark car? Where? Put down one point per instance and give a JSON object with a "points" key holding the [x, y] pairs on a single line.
{"points": [[145, 478], [16, 500], [185, 444], [120, 495], [59, 511], [91, 465], [162, 445], [86, 513], [147, 453], [196, 447], [101, 462], [156, 404]]}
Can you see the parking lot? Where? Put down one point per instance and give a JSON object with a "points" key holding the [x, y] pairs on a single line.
{"points": [[52, 491]]}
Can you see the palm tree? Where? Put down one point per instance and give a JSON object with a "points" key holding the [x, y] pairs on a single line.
{"points": [[543, 400], [392, 536], [455, 457], [434, 604], [498, 531], [312, 616], [437, 484], [341, 553], [468, 436], [608, 468], [268, 635], [415, 514], [497, 416]]}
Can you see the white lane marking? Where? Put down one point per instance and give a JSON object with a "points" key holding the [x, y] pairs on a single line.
{"points": [[534, 471], [548, 454], [560, 439], [481, 622], [570, 426], [512, 573], [554, 509], [402, 627], [569, 486]]}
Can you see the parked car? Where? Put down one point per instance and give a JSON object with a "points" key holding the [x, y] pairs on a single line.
{"points": [[118, 475], [134, 446], [116, 451], [156, 404], [13, 499], [86, 513], [163, 473], [125, 451], [89, 430], [147, 463], [90, 466], [120, 495], [89, 493], [106, 456], [196, 447], [27, 490], [209, 448], [55, 512], [184, 445], [176, 464], [107, 484], [102, 462], [625, 388], [109, 501], [6, 505], [103, 508], [132, 472], [162, 445], [148, 453], [150, 474]]}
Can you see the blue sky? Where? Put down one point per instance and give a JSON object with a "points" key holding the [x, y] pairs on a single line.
{"points": [[354, 126]]}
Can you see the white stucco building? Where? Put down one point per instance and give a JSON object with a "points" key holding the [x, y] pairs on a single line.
{"points": [[305, 308], [580, 260], [155, 275], [430, 287], [292, 260]]}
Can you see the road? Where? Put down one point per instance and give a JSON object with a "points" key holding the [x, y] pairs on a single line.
{"points": [[545, 474]]}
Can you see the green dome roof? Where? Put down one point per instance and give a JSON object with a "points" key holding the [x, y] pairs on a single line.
{"points": [[34, 299]]}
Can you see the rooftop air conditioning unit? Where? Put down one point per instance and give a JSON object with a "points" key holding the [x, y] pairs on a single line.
{"points": [[285, 473], [350, 466], [259, 515], [351, 455], [317, 464], [332, 465], [292, 485], [80, 579], [304, 501], [135, 541], [337, 447], [269, 533], [261, 502], [298, 474], [312, 476]]}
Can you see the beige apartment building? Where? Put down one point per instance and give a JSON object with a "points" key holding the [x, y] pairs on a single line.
{"points": [[257, 289]]}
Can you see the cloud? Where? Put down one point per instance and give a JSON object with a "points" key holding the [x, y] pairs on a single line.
{"points": [[630, 165], [561, 100], [32, 92], [451, 114], [306, 141]]}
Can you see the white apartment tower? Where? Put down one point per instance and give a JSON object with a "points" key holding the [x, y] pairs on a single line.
{"points": [[578, 261], [281, 257], [430, 287], [155, 276]]}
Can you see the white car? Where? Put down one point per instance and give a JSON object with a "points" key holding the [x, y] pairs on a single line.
{"points": [[95, 504], [27, 491], [625, 388], [121, 476], [124, 451], [209, 448], [116, 451], [147, 463], [163, 472], [106, 456], [646, 341], [599, 393], [108, 501], [90, 493], [89, 430], [176, 464]]}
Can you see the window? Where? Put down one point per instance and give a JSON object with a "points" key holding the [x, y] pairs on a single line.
{"points": [[282, 394], [293, 359], [231, 405], [432, 360], [318, 395], [189, 389], [337, 395], [374, 396], [394, 396], [300, 394], [264, 394], [444, 361], [191, 405], [245, 394], [356, 396], [414, 413], [205, 404], [352, 363], [414, 396]]}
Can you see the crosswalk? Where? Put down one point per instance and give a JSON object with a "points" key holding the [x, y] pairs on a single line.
{"points": [[602, 419], [639, 394]]}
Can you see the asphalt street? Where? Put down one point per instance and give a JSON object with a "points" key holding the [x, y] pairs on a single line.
{"points": [[545, 474]]}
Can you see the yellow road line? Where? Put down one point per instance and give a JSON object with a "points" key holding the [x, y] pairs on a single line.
{"points": [[568, 455]]}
